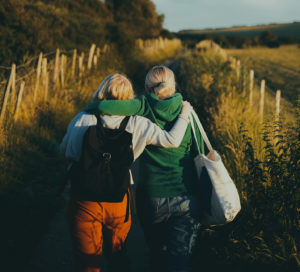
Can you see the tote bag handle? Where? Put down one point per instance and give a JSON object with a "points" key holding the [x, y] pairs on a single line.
{"points": [[202, 131]]}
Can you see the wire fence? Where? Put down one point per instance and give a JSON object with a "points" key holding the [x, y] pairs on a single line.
{"points": [[39, 73], [54, 71], [267, 100]]}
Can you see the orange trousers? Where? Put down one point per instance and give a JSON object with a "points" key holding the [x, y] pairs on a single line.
{"points": [[90, 222]]}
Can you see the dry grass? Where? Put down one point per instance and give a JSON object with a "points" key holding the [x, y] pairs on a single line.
{"points": [[158, 49], [262, 160], [32, 171], [280, 67]]}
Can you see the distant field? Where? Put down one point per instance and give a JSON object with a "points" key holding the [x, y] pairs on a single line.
{"points": [[281, 30], [280, 67]]}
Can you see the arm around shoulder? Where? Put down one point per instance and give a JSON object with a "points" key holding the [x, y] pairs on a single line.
{"points": [[169, 139], [118, 107]]}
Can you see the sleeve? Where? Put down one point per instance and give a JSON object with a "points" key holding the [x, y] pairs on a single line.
{"points": [[72, 142], [118, 107], [153, 134]]}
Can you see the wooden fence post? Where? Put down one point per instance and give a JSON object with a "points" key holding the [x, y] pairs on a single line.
{"points": [[13, 83], [262, 100], [278, 94], [47, 86], [238, 70], [5, 96], [244, 81], [74, 63], [62, 70], [45, 76], [92, 51], [44, 71], [56, 67], [38, 74], [65, 65], [251, 88], [95, 61], [80, 63], [82, 55], [105, 48], [140, 43], [19, 99]]}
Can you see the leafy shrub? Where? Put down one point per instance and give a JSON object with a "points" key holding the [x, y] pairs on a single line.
{"points": [[263, 160]]}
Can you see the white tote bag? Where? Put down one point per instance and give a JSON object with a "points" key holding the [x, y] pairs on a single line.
{"points": [[223, 201]]}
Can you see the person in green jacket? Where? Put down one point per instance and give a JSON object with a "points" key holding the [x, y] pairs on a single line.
{"points": [[168, 205]]}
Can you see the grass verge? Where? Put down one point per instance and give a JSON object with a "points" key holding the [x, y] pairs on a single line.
{"points": [[263, 160]]}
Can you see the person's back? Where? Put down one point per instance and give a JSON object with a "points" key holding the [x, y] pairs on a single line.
{"points": [[168, 206], [167, 202], [167, 172], [88, 212]]}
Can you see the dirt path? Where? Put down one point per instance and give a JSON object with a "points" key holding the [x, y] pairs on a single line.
{"points": [[54, 253]]}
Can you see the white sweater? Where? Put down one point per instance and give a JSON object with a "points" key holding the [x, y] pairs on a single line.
{"points": [[143, 131]]}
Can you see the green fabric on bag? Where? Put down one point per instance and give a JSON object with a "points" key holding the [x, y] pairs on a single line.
{"points": [[164, 172]]}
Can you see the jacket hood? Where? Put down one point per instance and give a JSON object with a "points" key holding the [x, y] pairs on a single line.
{"points": [[166, 109]]}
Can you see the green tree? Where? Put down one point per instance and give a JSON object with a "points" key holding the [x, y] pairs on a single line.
{"points": [[269, 39], [136, 18], [30, 26]]}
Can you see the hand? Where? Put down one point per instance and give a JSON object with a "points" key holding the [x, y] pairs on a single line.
{"points": [[211, 155], [186, 108]]}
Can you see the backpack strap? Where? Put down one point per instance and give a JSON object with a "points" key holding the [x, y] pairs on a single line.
{"points": [[128, 193], [124, 123], [99, 123]]}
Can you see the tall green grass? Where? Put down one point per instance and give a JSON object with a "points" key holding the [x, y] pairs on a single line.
{"points": [[263, 160]]}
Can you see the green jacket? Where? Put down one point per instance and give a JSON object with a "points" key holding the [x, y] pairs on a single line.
{"points": [[163, 172]]}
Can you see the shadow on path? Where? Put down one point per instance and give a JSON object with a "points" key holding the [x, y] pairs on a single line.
{"points": [[54, 253]]}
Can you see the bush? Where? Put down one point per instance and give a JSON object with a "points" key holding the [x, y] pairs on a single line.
{"points": [[264, 163]]}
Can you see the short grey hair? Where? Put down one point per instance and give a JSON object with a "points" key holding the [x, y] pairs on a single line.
{"points": [[160, 80]]}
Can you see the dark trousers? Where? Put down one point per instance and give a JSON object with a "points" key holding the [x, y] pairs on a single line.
{"points": [[170, 226]]}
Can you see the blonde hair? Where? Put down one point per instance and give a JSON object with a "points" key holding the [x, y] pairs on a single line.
{"points": [[160, 80], [116, 87]]}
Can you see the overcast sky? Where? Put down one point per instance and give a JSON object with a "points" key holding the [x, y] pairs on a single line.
{"points": [[197, 14]]}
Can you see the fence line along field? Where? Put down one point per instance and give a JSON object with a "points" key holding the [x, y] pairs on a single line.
{"points": [[259, 144], [279, 66], [54, 73]]}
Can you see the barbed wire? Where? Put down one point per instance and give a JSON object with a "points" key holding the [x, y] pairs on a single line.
{"points": [[25, 76], [5, 67]]}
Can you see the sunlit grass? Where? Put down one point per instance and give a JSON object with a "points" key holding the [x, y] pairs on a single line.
{"points": [[262, 160], [32, 170], [280, 67]]}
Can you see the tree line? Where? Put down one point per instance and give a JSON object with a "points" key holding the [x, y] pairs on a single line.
{"points": [[266, 38], [29, 26]]}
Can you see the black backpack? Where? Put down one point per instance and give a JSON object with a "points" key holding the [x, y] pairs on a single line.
{"points": [[102, 173]]}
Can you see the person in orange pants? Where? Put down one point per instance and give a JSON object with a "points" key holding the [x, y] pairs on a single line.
{"points": [[89, 221]]}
